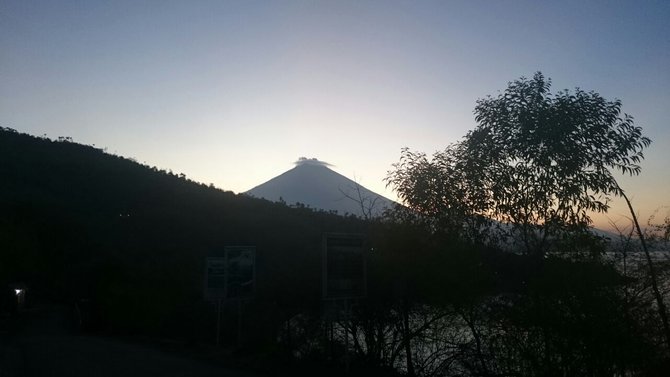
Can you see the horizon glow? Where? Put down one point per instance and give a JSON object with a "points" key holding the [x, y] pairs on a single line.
{"points": [[232, 93]]}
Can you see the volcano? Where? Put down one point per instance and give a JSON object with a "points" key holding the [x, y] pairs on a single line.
{"points": [[312, 183]]}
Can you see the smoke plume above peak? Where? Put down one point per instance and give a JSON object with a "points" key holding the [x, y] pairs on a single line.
{"points": [[311, 161]]}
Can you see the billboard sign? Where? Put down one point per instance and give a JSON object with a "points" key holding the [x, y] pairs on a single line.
{"points": [[232, 275], [215, 278], [344, 269], [241, 271]]}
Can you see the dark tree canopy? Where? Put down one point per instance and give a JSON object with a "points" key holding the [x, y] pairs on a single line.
{"points": [[441, 191], [538, 161]]}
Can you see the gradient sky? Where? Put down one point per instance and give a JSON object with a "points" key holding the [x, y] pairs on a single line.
{"points": [[232, 92]]}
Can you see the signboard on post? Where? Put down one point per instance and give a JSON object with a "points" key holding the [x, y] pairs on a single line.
{"points": [[241, 271], [344, 266], [232, 275], [215, 278], [344, 271]]}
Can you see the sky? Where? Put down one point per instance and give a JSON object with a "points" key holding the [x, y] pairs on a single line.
{"points": [[233, 92]]}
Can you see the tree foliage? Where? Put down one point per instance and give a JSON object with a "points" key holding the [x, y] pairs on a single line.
{"points": [[537, 161], [438, 189]]}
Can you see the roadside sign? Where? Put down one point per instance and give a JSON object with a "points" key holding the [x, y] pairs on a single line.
{"points": [[215, 278], [241, 269], [344, 274], [231, 275]]}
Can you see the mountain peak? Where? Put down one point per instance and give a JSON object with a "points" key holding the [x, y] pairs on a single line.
{"points": [[312, 183]]}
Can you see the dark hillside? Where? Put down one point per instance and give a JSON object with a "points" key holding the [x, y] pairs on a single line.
{"points": [[77, 223], [126, 244]]}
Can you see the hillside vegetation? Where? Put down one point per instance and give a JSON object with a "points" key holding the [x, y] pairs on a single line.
{"points": [[78, 223], [81, 226]]}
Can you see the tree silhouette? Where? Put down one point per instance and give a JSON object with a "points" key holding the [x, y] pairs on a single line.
{"points": [[538, 162], [546, 160]]}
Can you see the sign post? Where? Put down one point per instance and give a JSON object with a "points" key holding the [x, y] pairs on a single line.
{"points": [[344, 276], [215, 286], [241, 271], [344, 267], [241, 279], [230, 276]]}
